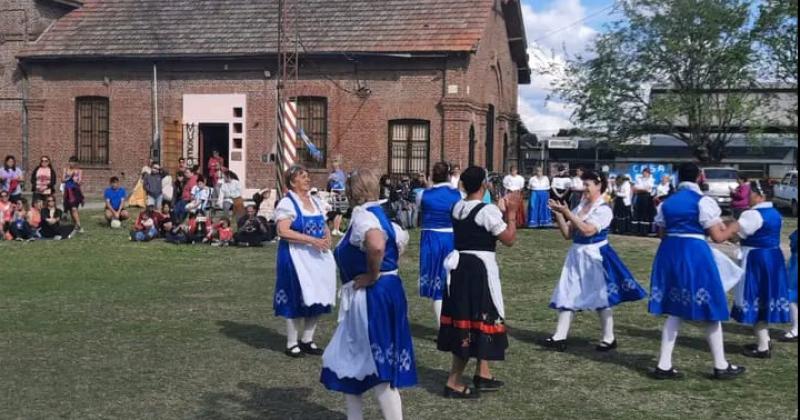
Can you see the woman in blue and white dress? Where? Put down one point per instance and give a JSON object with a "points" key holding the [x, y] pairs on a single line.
{"points": [[436, 242], [593, 278], [306, 270], [372, 347], [539, 215], [763, 297], [689, 279], [791, 335]]}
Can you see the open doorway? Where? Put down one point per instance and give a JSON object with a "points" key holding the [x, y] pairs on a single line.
{"points": [[213, 137]]}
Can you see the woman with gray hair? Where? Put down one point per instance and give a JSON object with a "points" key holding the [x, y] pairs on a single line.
{"points": [[372, 347], [306, 269]]}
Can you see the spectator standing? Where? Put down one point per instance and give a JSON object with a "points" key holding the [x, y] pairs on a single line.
{"points": [[216, 167], [664, 189], [152, 186], [11, 179], [576, 189], [559, 187], [539, 214], [740, 197], [73, 196], [514, 184], [644, 208], [114, 197], [623, 197], [455, 176], [337, 181], [43, 179]]}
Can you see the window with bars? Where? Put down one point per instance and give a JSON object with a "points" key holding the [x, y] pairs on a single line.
{"points": [[409, 146], [91, 130], [312, 117]]}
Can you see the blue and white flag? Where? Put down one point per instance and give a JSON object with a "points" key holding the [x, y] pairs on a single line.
{"points": [[312, 149]]}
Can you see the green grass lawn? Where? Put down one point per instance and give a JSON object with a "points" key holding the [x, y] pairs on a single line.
{"points": [[99, 327]]}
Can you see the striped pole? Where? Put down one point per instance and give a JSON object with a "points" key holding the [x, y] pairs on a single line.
{"points": [[289, 135]]}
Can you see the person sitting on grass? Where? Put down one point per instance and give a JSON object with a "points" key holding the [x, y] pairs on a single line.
{"points": [[51, 222], [146, 227], [198, 227], [200, 196], [178, 234], [35, 218], [115, 202], [221, 233], [252, 230], [19, 227], [165, 222]]}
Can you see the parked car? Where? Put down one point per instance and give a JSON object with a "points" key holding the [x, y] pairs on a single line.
{"points": [[786, 192], [718, 183]]}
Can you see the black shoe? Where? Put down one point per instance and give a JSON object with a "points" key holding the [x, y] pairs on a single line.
{"points": [[311, 349], [557, 345], [754, 353], [605, 347], [731, 372], [466, 394], [294, 352], [788, 338], [487, 385], [663, 375]]}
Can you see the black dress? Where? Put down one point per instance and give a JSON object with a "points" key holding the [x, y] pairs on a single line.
{"points": [[471, 326]]}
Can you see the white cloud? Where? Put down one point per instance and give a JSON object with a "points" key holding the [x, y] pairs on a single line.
{"points": [[552, 35]]}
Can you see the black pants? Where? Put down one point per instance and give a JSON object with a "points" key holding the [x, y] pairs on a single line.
{"points": [[622, 217], [643, 214]]}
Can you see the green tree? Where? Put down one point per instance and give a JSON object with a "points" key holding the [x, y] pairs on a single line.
{"points": [[777, 32], [697, 58]]}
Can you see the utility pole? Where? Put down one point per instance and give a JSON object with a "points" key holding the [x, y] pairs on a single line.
{"points": [[288, 71]]}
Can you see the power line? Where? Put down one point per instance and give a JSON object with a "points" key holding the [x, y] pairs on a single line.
{"points": [[577, 22]]}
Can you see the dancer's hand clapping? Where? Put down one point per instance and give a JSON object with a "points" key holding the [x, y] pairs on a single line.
{"points": [[558, 207]]}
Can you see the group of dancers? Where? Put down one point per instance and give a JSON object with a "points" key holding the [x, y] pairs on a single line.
{"points": [[372, 348]]}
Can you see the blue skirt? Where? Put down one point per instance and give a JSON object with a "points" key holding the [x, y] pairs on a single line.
{"points": [[390, 338], [620, 286], [288, 300], [434, 248], [763, 296], [539, 214], [686, 283], [793, 278]]}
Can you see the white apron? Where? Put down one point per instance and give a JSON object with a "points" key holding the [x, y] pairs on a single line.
{"points": [[316, 273], [489, 260]]}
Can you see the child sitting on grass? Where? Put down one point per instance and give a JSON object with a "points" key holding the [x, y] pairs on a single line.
{"points": [[146, 227], [200, 196], [198, 227], [221, 233], [19, 228]]}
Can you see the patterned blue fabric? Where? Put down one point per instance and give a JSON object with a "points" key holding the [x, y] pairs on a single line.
{"points": [[434, 248], [539, 214], [682, 212], [288, 299], [766, 292], [387, 309]]}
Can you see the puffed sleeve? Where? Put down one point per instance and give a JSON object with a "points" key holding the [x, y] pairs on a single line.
{"points": [[285, 210], [750, 222], [362, 222], [710, 213], [601, 218], [491, 218], [401, 238]]}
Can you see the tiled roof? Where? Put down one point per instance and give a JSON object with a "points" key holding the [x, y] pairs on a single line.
{"points": [[224, 28]]}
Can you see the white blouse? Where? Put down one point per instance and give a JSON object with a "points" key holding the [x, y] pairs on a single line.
{"points": [[363, 221], [286, 210], [514, 183], [710, 212], [645, 184], [561, 183], [751, 221], [539, 183], [663, 190], [490, 217], [600, 216], [576, 184], [625, 192]]}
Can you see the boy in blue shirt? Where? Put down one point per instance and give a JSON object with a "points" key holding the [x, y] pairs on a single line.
{"points": [[115, 201]]}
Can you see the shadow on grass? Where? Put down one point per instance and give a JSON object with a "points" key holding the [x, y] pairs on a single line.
{"points": [[265, 403], [254, 336], [583, 347], [432, 380], [424, 332], [694, 343]]}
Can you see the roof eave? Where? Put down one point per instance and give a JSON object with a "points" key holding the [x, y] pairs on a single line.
{"points": [[71, 3]]}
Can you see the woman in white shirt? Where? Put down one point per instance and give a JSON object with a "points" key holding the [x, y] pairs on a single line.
{"points": [[539, 215], [622, 206], [559, 188], [576, 189], [664, 189], [230, 194], [644, 208], [514, 184]]}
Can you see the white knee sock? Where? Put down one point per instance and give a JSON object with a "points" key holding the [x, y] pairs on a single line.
{"points": [[717, 343], [293, 327], [762, 335], [309, 329], [390, 402], [355, 407], [794, 318], [669, 335], [437, 311], [564, 322], [607, 324]]}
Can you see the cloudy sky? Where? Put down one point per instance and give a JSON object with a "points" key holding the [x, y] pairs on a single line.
{"points": [[553, 27]]}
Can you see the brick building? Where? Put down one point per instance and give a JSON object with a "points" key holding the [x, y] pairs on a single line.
{"points": [[394, 85]]}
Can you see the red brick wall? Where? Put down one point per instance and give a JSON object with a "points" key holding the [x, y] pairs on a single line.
{"points": [[358, 126]]}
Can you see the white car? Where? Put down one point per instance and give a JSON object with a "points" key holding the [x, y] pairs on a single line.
{"points": [[720, 182], [786, 192]]}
